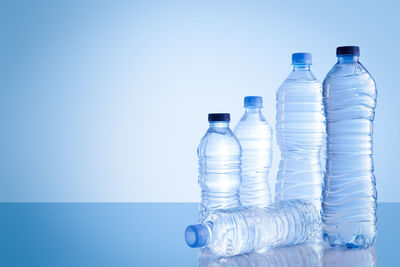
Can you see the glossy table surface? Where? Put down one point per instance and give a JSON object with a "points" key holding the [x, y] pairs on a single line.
{"points": [[150, 234]]}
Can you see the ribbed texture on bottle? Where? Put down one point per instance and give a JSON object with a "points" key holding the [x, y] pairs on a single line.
{"points": [[300, 132], [285, 223], [349, 193], [219, 155], [255, 137]]}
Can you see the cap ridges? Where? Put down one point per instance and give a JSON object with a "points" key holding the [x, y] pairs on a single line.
{"points": [[219, 117]]}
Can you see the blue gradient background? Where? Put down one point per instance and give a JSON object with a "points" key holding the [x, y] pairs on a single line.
{"points": [[107, 100]]}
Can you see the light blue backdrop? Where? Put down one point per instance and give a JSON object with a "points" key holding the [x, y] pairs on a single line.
{"points": [[107, 100]]}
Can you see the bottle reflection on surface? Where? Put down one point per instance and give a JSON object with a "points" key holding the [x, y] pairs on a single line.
{"points": [[349, 257], [304, 255]]}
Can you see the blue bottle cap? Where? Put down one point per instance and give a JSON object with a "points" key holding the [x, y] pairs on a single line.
{"points": [[219, 117], [196, 235], [348, 50], [253, 101], [301, 58]]}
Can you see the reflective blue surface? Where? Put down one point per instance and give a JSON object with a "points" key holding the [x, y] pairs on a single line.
{"points": [[145, 234]]}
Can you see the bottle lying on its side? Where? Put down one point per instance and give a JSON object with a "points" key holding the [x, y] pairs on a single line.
{"points": [[229, 233]]}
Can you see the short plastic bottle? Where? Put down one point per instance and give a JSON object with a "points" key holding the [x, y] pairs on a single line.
{"points": [[219, 155]]}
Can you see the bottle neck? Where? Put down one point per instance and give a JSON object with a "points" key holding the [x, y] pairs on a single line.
{"points": [[348, 58], [252, 109], [301, 67], [219, 124]]}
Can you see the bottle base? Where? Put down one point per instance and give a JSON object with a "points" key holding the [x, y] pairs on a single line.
{"points": [[354, 242]]}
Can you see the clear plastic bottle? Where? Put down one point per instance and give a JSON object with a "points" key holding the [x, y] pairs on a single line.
{"points": [[349, 207], [219, 155], [255, 137], [229, 233], [300, 132]]}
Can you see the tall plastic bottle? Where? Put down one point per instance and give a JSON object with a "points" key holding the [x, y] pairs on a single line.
{"points": [[300, 132], [219, 155], [230, 233], [255, 137], [349, 207]]}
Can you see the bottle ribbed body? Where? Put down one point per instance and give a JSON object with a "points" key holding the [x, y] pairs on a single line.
{"points": [[349, 207], [300, 132], [285, 223], [219, 155], [255, 137]]}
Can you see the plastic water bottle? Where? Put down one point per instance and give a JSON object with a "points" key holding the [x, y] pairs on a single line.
{"points": [[219, 155], [349, 207], [255, 137], [300, 132], [229, 233], [303, 255]]}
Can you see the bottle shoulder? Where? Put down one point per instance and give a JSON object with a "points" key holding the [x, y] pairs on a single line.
{"points": [[348, 71], [252, 118], [246, 128], [347, 79], [219, 141], [301, 76], [309, 91], [300, 83], [252, 124]]}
